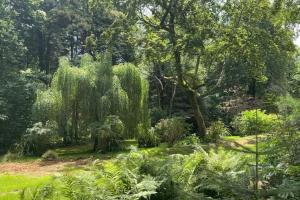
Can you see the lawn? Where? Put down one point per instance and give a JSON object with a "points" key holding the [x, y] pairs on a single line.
{"points": [[12, 184]]}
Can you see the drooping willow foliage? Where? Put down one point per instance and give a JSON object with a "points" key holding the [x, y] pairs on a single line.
{"points": [[136, 88], [79, 96]]}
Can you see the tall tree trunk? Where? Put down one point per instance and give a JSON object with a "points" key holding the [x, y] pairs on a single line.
{"points": [[72, 48], [41, 53], [76, 122], [96, 143], [47, 55], [197, 114], [179, 72], [172, 99], [62, 127]]}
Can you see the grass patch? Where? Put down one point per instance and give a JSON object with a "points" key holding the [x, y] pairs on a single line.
{"points": [[164, 150], [11, 185], [85, 151], [232, 138]]}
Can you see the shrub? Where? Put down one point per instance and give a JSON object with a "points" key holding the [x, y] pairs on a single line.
{"points": [[108, 135], [222, 175], [249, 122], [50, 155], [43, 192], [171, 130], [38, 139], [216, 131], [148, 139], [9, 156], [190, 140]]}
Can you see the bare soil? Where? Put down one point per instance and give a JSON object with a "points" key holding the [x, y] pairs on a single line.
{"points": [[40, 167]]}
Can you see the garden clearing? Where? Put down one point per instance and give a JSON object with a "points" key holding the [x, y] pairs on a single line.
{"points": [[32, 172]]}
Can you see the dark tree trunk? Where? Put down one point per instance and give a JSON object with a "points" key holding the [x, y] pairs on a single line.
{"points": [[47, 56], [72, 49], [201, 127], [72, 127], [252, 88], [96, 141], [172, 99], [62, 128], [65, 137], [41, 51], [75, 122], [191, 93]]}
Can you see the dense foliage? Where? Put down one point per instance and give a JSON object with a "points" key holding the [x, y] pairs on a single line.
{"points": [[200, 175], [216, 131], [256, 121], [85, 97], [186, 76], [171, 130]]}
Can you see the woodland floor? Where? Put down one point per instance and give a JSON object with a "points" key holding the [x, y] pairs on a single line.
{"points": [[40, 168], [30, 172], [79, 156]]}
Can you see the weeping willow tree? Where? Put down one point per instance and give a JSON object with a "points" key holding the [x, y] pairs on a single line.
{"points": [[47, 105], [89, 93], [145, 122], [64, 100], [101, 77], [136, 88]]}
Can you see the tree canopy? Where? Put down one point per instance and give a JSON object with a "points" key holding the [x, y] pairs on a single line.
{"points": [[80, 95]]}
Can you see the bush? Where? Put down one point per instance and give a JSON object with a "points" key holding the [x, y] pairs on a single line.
{"points": [[38, 139], [248, 124], [9, 156], [50, 155], [148, 139], [42, 192], [108, 135], [172, 130], [222, 175], [216, 131], [190, 140]]}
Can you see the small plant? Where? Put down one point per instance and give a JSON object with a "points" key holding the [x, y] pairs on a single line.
{"points": [[190, 140], [9, 156], [148, 139], [42, 192], [216, 131], [50, 155], [172, 130], [108, 136], [38, 139], [250, 122]]}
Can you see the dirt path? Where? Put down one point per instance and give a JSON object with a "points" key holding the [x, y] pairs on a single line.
{"points": [[39, 167]]}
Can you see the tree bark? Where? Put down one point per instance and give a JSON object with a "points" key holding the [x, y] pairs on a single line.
{"points": [[62, 127], [76, 122], [179, 71], [172, 99], [197, 114], [96, 141]]}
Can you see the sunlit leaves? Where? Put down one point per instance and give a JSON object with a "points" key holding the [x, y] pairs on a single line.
{"points": [[94, 90]]}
